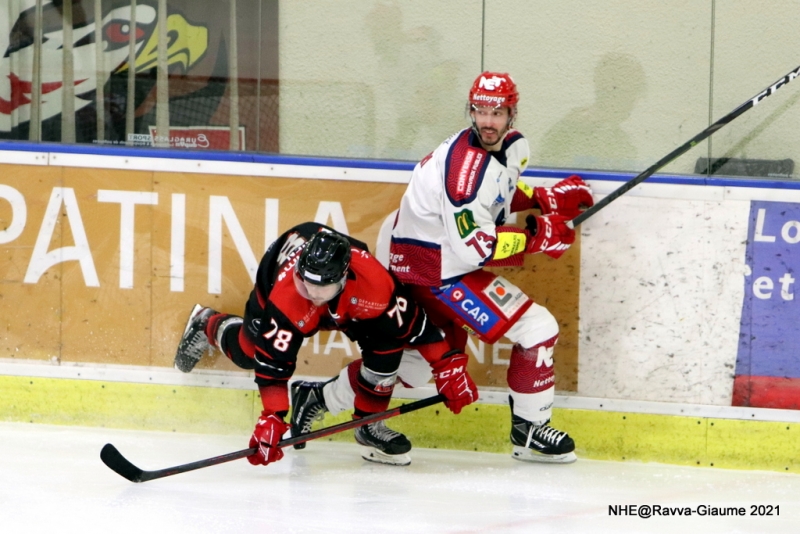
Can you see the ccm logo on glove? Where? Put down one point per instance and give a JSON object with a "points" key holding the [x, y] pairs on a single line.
{"points": [[566, 198], [453, 381], [449, 372], [549, 234]]}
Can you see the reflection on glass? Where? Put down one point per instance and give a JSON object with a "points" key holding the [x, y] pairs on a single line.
{"points": [[592, 137]]}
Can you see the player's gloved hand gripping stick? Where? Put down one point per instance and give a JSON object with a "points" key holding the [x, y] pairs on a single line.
{"points": [[633, 182], [119, 464]]}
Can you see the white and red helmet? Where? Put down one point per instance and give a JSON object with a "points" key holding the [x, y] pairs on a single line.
{"points": [[494, 89]]}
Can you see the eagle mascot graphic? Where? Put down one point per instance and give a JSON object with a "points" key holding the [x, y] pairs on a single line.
{"points": [[187, 45]]}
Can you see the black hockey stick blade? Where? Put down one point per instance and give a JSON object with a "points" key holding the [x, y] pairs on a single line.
{"points": [[120, 465], [641, 177]]}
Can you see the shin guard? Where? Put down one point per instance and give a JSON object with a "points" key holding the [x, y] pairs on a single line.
{"points": [[225, 332], [338, 393], [217, 324], [532, 381], [373, 390]]}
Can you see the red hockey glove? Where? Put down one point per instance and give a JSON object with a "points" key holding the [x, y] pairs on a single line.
{"points": [[453, 381], [549, 234], [266, 436], [565, 198]]}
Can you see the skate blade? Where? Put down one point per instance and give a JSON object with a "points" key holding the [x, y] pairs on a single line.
{"points": [[529, 455], [297, 446], [192, 314], [372, 454]]}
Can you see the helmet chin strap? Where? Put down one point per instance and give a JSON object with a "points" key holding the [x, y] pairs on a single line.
{"points": [[512, 115]]}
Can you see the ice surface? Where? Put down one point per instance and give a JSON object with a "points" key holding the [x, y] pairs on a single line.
{"points": [[52, 481]]}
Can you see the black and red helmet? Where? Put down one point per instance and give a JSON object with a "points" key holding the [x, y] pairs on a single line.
{"points": [[325, 259]]}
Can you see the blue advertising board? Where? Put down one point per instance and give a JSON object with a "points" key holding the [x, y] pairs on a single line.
{"points": [[768, 359]]}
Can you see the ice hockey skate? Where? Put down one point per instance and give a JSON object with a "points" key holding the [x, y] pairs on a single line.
{"points": [[383, 445], [194, 343], [540, 443], [308, 405]]}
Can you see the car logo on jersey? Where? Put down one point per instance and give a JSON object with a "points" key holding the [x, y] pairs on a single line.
{"points": [[465, 223], [477, 314]]}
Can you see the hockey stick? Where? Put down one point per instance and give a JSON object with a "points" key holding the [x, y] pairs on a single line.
{"points": [[120, 465], [633, 182]]}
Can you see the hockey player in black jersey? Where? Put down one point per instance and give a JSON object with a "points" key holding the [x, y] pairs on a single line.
{"points": [[313, 278]]}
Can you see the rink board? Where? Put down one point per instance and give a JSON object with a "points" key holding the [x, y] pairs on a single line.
{"points": [[601, 435], [105, 253]]}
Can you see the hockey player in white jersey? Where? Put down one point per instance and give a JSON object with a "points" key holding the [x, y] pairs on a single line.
{"points": [[451, 224]]}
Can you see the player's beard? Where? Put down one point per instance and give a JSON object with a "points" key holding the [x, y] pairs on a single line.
{"points": [[490, 136]]}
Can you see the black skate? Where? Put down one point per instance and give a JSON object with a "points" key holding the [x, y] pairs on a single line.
{"points": [[194, 343], [540, 443], [385, 446], [308, 405]]}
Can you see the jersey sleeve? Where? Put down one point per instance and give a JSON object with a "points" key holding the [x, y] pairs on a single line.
{"points": [[518, 153], [403, 323]]}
